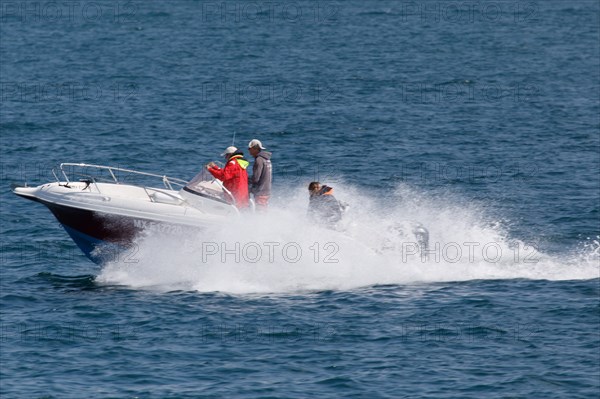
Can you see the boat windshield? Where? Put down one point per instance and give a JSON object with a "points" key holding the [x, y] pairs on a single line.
{"points": [[206, 185]]}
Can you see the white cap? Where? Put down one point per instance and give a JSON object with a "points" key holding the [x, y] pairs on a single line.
{"points": [[229, 150], [255, 143]]}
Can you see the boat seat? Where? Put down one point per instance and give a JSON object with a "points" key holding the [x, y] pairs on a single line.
{"points": [[163, 198]]}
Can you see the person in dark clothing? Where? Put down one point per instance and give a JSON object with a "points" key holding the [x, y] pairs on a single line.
{"points": [[323, 207], [260, 182]]}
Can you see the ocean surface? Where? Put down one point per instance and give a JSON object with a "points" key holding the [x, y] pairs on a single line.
{"points": [[478, 119]]}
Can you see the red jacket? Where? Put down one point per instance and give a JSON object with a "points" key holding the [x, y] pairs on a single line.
{"points": [[234, 178]]}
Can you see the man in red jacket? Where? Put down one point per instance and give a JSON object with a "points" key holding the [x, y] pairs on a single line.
{"points": [[233, 175]]}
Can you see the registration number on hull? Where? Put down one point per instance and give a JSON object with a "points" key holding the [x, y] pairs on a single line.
{"points": [[159, 227]]}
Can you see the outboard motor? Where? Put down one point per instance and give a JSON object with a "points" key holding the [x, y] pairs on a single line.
{"points": [[422, 237], [408, 231]]}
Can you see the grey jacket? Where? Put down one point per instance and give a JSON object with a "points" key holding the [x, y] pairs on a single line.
{"points": [[262, 172]]}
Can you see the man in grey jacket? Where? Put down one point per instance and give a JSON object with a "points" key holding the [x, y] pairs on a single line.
{"points": [[260, 182]]}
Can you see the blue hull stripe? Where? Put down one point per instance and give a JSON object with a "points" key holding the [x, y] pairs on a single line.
{"points": [[85, 242]]}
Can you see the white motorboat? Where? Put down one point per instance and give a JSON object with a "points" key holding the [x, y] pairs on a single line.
{"points": [[104, 208], [103, 205]]}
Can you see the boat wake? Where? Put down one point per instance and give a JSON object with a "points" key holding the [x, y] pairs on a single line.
{"points": [[281, 252]]}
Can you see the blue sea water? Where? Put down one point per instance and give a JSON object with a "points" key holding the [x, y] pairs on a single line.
{"points": [[479, 119]]}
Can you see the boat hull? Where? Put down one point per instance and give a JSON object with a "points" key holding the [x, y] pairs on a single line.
{"points": [[92, 231], [104, 227], [104, 237]]}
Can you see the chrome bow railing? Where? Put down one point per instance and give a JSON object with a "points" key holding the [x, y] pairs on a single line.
{"points": [[114, 172], [166, 180]]}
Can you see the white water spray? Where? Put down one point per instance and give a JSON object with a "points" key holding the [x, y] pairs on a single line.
{"points": [[282, 252]]}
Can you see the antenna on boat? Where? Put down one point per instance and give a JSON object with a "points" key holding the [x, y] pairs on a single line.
{"points": [[233, 139]]}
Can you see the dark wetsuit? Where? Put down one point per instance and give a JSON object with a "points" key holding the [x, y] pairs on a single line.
{"points": [[323, 207]]}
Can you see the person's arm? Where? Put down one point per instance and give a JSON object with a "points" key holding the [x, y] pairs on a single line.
{"points": [[230, 170], [216, 172], [258, 171]]}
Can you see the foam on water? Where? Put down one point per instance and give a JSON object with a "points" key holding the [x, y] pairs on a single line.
{"points": [[282, 252]]}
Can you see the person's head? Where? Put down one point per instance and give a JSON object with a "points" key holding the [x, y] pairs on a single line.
{"points": [[229, 151], [254, 147], [314, 187]]}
